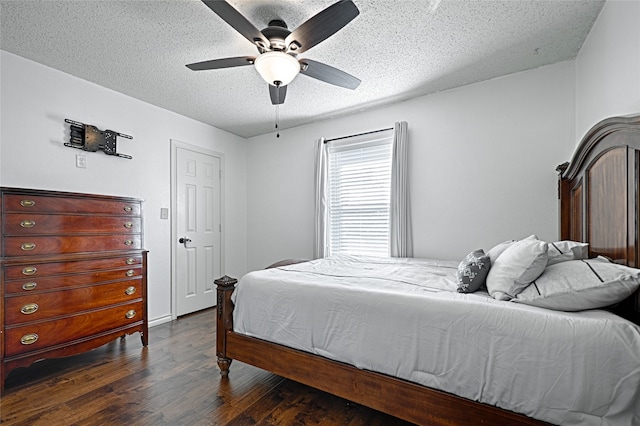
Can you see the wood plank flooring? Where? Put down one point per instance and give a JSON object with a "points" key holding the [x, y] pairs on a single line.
{"points": [[174, 381]]}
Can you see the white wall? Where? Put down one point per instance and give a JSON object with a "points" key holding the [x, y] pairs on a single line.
{"points": [[483, 161], [608, 66], [36, 100]]}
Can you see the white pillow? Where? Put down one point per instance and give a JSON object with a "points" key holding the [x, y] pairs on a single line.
{"points": [[499, 248], [516, 268], [561, 251], [576, 285]]}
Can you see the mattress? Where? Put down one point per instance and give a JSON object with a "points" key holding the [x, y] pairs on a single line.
{"points": [[404, 318]]}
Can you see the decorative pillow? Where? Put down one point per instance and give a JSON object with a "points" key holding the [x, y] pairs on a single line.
{"points": [[576, 285], [516, 268], [561, 251], [472, 271], [498, 249]]}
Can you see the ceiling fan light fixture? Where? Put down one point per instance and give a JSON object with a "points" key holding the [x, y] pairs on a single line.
{"points": [[277, 67]]}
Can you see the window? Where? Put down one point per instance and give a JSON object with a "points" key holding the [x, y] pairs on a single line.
{"points": [[362, 201], [359, 195]]}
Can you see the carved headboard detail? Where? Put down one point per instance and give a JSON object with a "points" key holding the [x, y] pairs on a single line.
{"points": [[600, 199]]}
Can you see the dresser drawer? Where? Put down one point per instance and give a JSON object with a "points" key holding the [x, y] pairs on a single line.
{"points": [[60, 282], [37, 270], [38, 245], [45, 305], [21, 203], [47, 334], [38, 224]]}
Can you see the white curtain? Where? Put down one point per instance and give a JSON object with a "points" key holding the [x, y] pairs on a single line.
{"points": [[319, 240], [401, 243]]}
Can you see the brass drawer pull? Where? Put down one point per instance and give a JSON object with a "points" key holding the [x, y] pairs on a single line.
{"points": [[29, 308], [130, 261], [130, 314], [27, 203], [128, 225], [29, 270], [29, 286], [28, 246], [28, 223], [29, 339], [128, 209], [130, 290], [130, 272], [128, 242]]}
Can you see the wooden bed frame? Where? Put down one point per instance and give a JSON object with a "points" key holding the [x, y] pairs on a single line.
{"points": [[599, 203]]}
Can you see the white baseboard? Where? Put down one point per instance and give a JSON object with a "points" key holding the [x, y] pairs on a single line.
{"points": [[158, 321]]}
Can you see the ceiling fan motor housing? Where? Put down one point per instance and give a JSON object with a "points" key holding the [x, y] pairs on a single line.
{"points": [[276, 32]]}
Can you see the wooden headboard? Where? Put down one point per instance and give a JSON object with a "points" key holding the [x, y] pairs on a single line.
{"points": [[599, 192]]}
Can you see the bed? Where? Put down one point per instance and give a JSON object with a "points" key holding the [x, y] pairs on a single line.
{"points": [[487, 342]]}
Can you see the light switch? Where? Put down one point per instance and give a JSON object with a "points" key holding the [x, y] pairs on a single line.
{"points": [[164, 213]]}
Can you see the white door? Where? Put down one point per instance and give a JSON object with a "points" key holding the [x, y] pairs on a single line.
{"points": [[197, 244]]}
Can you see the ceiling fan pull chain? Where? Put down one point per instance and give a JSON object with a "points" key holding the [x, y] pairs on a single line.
{"points": [[277, 107], [277, 119]]}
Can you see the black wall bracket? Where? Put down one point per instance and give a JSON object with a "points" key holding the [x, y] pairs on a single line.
{"points": [[90, 138]]}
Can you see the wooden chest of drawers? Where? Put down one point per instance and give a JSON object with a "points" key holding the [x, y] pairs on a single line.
{"points": [[74, 274]]}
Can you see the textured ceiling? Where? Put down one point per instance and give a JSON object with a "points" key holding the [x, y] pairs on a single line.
{"points": [[400, 49]]}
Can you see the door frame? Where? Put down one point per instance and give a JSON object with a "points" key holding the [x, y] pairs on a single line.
{"points": [[175, 145]]}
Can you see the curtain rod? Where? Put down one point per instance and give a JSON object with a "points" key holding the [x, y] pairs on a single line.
{"points": [[359, 134]]}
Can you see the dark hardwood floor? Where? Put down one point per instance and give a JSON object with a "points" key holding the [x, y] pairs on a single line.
{"points": [[174, 381]]}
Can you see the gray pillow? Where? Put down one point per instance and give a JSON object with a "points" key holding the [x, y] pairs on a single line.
{"points": [[576, 285], [472, 271]]}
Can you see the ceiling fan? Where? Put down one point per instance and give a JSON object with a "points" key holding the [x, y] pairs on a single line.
{"points": [[278, 47]]}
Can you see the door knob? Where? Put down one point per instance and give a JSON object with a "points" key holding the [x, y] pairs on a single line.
{"points": [[184, 241]]}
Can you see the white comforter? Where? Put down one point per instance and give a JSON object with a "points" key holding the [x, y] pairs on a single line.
{"points": [[403, 317]]}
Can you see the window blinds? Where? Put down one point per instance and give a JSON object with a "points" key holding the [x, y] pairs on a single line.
{"points": [[359, 185]]}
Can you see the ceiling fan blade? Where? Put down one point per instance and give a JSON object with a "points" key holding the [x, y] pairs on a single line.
{"points": [[277, 94], [328, 74], [213, 64], [234, 18], [322, 26]]}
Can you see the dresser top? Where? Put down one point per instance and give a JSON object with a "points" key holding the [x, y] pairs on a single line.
{"points": [[43, 192]]}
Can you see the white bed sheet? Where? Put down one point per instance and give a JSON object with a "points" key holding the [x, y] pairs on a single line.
{"points": [[403, 317]]}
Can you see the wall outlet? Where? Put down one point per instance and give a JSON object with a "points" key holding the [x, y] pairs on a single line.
{"points": [[164, 213], [81, 161]]}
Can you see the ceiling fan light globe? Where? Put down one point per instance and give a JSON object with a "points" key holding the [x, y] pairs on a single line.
{"points": [[277, 66]]}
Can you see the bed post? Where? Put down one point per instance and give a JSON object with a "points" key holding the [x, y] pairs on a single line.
{"points": [[564, 207], [224, 323]]}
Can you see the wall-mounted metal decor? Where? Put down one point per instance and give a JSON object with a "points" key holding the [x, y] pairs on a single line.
{"points": [[90, 138]]}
